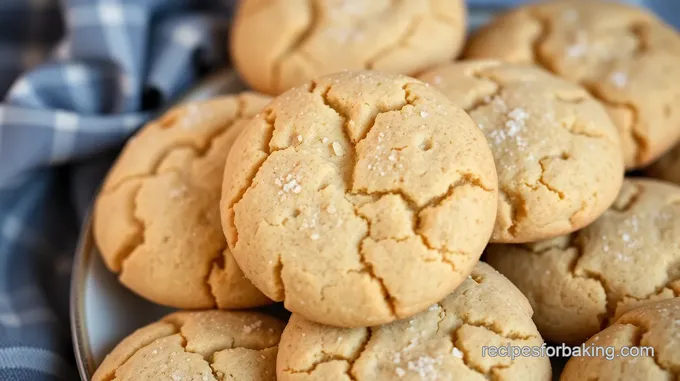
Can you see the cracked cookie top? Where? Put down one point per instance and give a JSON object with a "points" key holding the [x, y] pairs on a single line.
{"points": [[197, 346], [278, 44], [442, 343], [359, 198], [557, 153], [655, 325], [580, 283], [156, 218], [668, 167], [625, 56]]}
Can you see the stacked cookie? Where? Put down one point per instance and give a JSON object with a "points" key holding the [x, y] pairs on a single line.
{"points": [[363, 199]]}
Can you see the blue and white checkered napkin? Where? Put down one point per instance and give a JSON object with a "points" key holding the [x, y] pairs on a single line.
{"points": [[77, 77]]}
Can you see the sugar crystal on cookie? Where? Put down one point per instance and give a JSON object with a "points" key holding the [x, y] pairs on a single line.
{"points": [[619, 79], [252, 327], [580, 46], [425, 367]]}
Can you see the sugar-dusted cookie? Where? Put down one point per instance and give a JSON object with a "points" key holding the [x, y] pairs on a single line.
{"points": [[580, 283], [625, 56], [450, 341], [667, 167], [156, 219], [278, 44], [646, 342], [557, 153], [198, 346], [359, 198]]}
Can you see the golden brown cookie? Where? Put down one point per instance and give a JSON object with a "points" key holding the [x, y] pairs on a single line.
{"points": [[278, 44], [625, 56], [197, 346], [557, 153], [580, 283], [444, 343], [156, 219], [668, 167], [359, 198], [654, 329]]}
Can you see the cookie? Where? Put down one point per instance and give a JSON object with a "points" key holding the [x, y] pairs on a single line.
{"points": [[446, 342], [557, 153], [626, 57], [655, 326], [668, 167], [359, 198], [198, 346], [278, 44], [580, 283], [156, 219]]}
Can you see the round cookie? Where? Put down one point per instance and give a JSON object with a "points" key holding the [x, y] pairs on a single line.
{"points": [[198, 346], [278, 44], [156, 219], [668, 167], [625, 56], [446, 342], [359, 198], [580, 283], [557, 153], [655, 325]]}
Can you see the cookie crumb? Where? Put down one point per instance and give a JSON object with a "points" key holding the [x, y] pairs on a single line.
{"points": [[457, 353], [400, 372], [299, 138], [331, 209], [337, 149], [314, 236], [423, 114], [324, 140]]}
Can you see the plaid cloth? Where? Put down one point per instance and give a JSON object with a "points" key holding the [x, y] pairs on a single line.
{"points": [[77, 78]]}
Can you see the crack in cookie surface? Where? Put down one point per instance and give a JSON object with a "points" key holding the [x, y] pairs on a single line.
{"points": [[511, 103], [607, 252], [422, 346], [349, 27], [324, 155], [652, 326], [176, 157], [606, 57], [160, 362]]}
